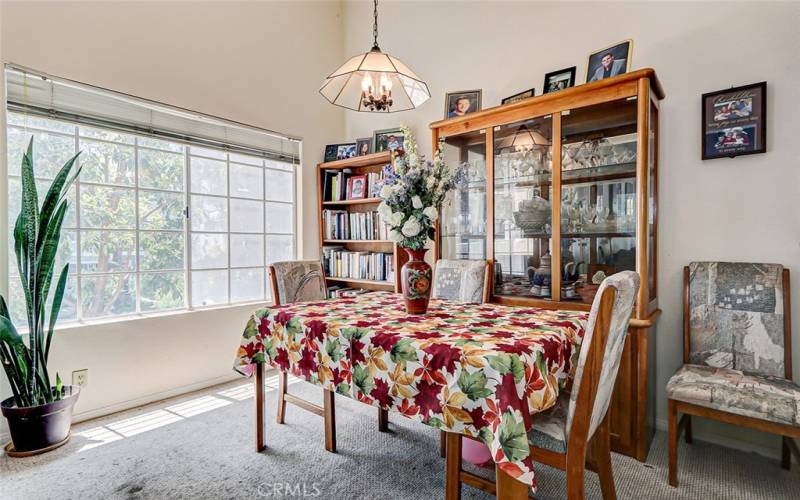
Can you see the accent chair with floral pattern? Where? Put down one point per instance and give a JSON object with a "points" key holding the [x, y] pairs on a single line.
{"points": [[737, 354]]}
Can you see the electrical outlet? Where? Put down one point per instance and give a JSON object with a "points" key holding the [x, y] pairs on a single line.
{"points": [[80, 377]]}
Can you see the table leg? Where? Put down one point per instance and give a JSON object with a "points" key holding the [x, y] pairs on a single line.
{"points": [[383, 420], [509, 488], [330, 420], [259, 383], [452, 479]]}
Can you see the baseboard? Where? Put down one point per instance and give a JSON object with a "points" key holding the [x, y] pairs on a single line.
{"points": [[727, 441]]}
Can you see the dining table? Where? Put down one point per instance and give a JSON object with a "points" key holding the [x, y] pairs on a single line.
{"points": [[480, 370]]}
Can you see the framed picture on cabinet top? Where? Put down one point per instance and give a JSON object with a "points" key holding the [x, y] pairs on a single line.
{"points": [[335, 152], [609, 61], [559, 80], [363, 146], [735, 121], [518, 97], [462, 103], [388, 139]]}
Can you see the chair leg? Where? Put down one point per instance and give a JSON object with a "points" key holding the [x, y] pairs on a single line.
{"points": [[601, 443], [576, 466], [383, 420], [452, 478], [330, 420], [786, 454], [259, 387], [672, 429], [509, 488], [687, 432], [282, 381], [442, 443]]}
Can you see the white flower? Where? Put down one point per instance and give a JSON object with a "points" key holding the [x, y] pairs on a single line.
{"points": [[384, 210], [431, 182], [431, 213], [395, 219], [411, 228], [416, 202], [386, 191], [395, 236]]}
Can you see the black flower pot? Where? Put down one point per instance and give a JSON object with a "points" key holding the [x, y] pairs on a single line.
{"points": [[40, 428]]}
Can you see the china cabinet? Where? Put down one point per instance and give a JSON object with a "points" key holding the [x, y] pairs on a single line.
{"points": [[562, 191]]}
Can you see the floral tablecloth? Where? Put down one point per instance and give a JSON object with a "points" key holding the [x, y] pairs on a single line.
{"points": [[477, 369]]}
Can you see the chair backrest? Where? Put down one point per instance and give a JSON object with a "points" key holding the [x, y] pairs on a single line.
{"points": [[736, 316], [601, 351], [462, 280], [297, 281]]}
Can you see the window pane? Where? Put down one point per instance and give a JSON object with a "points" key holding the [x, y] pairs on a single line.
{"points": [[149, 142], [16, 303], [42, 186], [279, 248], [106, 207], [209, 250], [247, 216], [280, 165], [250, 160], [162, 291], [158, 210], [26, 120], [209, 214], [210, 153], [108, 294], [160, 251], [107, 163], [209, 288], [247, 284], [161, 170], [107, 135], [246, 182], [280, 185], [108, 251], [280, 217], [208, 176], [50, 151], [247, 250]]}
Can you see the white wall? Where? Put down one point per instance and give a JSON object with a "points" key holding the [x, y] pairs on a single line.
{"points": [[256, 63], [743, 209]]}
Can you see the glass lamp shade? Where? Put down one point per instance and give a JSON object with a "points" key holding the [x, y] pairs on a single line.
{"points": [[377, 72]]}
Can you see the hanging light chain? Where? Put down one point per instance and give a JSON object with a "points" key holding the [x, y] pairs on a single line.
{"points": [[375, 27]]}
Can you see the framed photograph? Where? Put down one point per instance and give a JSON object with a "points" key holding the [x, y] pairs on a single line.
{"points": [[609, 61], [462, 103], [735, 121], [357, 187], [363, 146], [388, 139], [335, 152], [559, 80], [519, 97]]}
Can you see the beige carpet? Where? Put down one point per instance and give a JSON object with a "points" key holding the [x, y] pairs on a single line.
{"points": [[201, 446]]}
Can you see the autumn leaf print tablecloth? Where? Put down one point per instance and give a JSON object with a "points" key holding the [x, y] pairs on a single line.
{"points": [[477, 369]]}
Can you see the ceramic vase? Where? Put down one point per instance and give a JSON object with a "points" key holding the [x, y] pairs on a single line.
{"points": [[416, 278]]}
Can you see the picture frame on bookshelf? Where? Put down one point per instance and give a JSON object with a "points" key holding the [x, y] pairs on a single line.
{"points": [[363, 146], [388, 139], [335, 152], [559, 80], [519, 96], [357, 187]]}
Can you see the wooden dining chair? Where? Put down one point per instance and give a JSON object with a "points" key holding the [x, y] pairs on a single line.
{"points": [[737, 354], [560, 437]]}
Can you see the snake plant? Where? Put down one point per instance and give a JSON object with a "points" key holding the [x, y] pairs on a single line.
{"points": [[36, 236]]}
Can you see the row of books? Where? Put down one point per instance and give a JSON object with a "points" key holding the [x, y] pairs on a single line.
{"points": [[341, 263], [343, 184], [336, 291], [344, 225]]}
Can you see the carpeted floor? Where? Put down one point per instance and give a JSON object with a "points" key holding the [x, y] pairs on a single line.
{"points": [[201, 446]]}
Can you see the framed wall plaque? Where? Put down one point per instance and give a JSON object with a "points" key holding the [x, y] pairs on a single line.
{"points": [[735, 122]]}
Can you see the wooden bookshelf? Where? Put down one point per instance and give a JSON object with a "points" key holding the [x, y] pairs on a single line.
{"points": [[359, 165]]}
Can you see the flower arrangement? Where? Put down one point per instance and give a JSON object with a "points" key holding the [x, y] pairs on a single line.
{"points": [[412, 192]]}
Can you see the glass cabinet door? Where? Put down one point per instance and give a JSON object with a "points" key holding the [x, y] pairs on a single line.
{"points": [[598, 196], [463, 221], [522, 208]]}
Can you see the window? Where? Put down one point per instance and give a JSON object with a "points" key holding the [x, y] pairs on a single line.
{"points": [[155, 225]]}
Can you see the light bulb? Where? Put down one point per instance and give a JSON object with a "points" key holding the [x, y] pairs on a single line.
{"points": [[386, 82], [366, 83]]}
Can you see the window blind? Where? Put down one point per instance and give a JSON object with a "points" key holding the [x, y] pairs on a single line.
{"points": [[37, 93]]}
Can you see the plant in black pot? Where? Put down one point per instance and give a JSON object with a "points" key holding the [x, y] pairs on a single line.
{"points": [[40, 411]]}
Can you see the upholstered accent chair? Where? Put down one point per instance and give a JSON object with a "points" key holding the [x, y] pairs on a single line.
{"points": [[461, 280], [737, 354], [561, 436]]}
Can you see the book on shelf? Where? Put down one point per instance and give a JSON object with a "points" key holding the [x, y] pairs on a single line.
{"points": [[344, 225], [339, 262], [334, 184]]}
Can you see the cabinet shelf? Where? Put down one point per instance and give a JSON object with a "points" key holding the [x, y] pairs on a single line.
{"points": [[363, 201], [334, 242], [356, 281]]}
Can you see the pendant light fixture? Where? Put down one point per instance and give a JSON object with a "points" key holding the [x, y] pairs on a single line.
{"points": [[375, 82]]}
